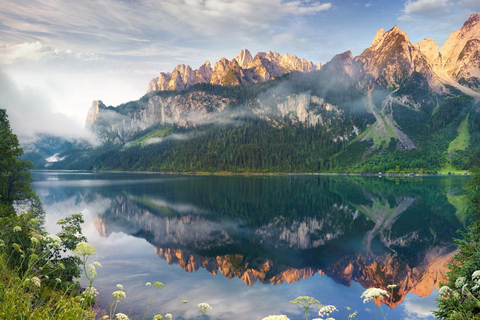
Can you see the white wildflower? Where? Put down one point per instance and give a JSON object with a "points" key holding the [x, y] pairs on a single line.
{"points": [[36, 281], [91, 291], [34, 241], [17, 229], [444, 291], [121, 316], [148, 284], [326, 310], [204, 306], [58, 280], [97, 264], [92, 271], [84, 249], [373, 293], [118, 294], [169, 316], [119, 286], [53, 240], [276, 317], [475, 275], [391, 286], [460, 282]]}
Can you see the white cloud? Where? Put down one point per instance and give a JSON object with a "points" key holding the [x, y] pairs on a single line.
{"points": [[427, 8], [110, 25], [38, 51], [416, 308]]}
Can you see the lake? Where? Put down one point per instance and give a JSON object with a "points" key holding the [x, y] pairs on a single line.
{"points": [[248, 245]]}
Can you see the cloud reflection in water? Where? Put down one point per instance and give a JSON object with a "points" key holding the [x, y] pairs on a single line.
{"points": [[268, 229]]}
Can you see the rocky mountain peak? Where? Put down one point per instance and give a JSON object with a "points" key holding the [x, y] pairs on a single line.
{"points": [[378, 37], [243, 68], [461, 53], [244, 58], [392, 57], [429, 48], [93, 112], [472, 21]]}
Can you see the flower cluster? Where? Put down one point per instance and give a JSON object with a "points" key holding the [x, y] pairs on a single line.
{"points": [[326, 310], [121, 316], [84, 249], [305, 301], [91, 291], [476, 280], [460, 282], [117, 295], [373, 293], [276, 317], [53, 241], [35, 281], [444, 291], [204, 306]]}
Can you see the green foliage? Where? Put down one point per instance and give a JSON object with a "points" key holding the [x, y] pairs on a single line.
{"points": [[21, 299], [36, 275], [14, 175], [460, 297]]}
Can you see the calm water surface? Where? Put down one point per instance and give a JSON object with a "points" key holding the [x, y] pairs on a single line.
{"points": [[247, 245]]}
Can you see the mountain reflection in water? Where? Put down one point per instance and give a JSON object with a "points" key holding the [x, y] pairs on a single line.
{"points": [[280, 229]]}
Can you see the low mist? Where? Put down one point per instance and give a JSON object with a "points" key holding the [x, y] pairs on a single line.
{"points": [[30, 113]]}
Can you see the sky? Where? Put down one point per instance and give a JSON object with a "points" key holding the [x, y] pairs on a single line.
{"points": [[57, 56]]}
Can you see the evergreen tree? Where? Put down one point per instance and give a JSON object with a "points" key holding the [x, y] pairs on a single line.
{"points": [[14, 173]]}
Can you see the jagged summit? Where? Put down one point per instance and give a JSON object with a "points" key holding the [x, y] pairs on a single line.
{"points": [[391, 58], [378, 37], [430, 49], [243, 68], [461, 53], [472, 21], [244, 58]]}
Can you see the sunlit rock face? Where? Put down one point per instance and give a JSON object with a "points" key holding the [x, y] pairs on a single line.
{"points": [[429, 48], [93, 113], [461, 53], [243, 68], [370, 272], [392, 58]]}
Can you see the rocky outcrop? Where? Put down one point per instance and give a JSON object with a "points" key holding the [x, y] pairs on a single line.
{"points": [[196, 108], [93, 113], [461, 53], [184, 110], [392, 58], [181, 78], [429, 48], [243, 68]]}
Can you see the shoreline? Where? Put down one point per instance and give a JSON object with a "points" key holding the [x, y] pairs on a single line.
{"points": [[199, 173]]}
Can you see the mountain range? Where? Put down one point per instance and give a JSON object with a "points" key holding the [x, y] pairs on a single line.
{"points": [[396, 107]]}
